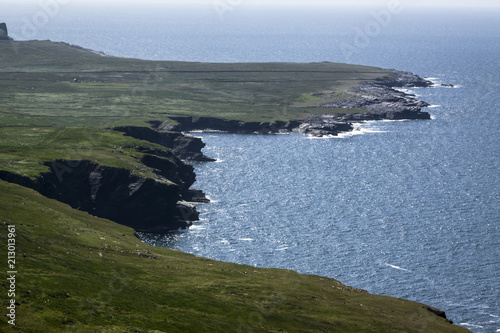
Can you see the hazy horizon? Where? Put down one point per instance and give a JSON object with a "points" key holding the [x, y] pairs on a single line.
{"points": [[285, 3]]}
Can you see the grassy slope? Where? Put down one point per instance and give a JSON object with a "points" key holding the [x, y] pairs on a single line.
{"points": [[23, 149], [36, 81], [81, 273]]}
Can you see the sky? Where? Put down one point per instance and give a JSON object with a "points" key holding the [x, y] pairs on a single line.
{"points": [[309, 3]]}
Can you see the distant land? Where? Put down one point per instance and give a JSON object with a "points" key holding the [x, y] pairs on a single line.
{"points": [[92, 149]]}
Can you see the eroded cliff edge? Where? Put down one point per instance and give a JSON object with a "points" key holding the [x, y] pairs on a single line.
{"points": [[371, 100], [160, 202]]}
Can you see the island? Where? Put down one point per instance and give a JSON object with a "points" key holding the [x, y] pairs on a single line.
{"points": [[94, 148]]}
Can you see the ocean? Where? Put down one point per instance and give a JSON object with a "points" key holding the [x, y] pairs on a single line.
{"points": [[409, 209]]}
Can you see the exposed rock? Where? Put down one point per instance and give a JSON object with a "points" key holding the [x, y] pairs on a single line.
{"points": [[4, 33], [184, 146], [437, 312], [406, 79], [383, 101], [144, 204], [232, 126], [193, 195], [171, 169], [319, 126], [378, 97]]}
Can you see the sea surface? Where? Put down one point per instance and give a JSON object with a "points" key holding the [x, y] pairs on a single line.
{"points": [[402, 208]]}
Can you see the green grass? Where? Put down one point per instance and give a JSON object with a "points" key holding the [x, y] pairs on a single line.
{"points": [[24, 150], [79, 273], [38, 88]]}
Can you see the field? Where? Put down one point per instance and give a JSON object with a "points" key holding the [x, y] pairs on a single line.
{"points": [[80, 273]]}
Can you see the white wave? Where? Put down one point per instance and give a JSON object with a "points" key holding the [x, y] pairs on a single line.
{"points": [[311, 137], [397, 267], [212, 201], [434, 106], [473, 325], [246, 239], [282, 248], [224, 241], [433, 117], [195, 227], [370, 130], [405, 90], [394, 120], [363, 128], [435, 81], [208, 130], [491, 315]]}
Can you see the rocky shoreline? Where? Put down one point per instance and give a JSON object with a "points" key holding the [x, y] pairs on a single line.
{"points": [[167, 202], [379, 99]]}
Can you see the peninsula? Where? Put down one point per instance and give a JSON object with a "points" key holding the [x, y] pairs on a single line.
{"points": [[92, 149]]}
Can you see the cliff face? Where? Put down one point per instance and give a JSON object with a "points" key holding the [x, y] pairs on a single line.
{"points": [[4, 33], [378, 97], [144, 204], [230, 126], [183, 146]]}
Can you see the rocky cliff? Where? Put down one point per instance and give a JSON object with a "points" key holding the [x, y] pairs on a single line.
{"points": [[146, 204], [229, 126], [183, 146], [380, 99], [4, 33]]}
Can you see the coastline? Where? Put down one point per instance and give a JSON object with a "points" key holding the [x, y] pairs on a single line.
{"points": [[318, 99], [132, 171], [380, 100]]}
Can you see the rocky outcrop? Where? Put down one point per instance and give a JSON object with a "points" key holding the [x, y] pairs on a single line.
{"points": [[379, 98], [144, 204], [383, 101], [183, 146], [405, 80], [4, 33], [231, 126], [324, 125], [437, 312]]}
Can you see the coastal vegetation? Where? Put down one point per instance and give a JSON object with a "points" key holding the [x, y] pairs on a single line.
{"points": [[80, 127]]}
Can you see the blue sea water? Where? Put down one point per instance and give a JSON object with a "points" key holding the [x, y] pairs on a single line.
{"points": [[402, 208]]}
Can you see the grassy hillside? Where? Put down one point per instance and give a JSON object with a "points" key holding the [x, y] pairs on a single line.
{"points": [[38, 87], [23, 150], [79, 273]]}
